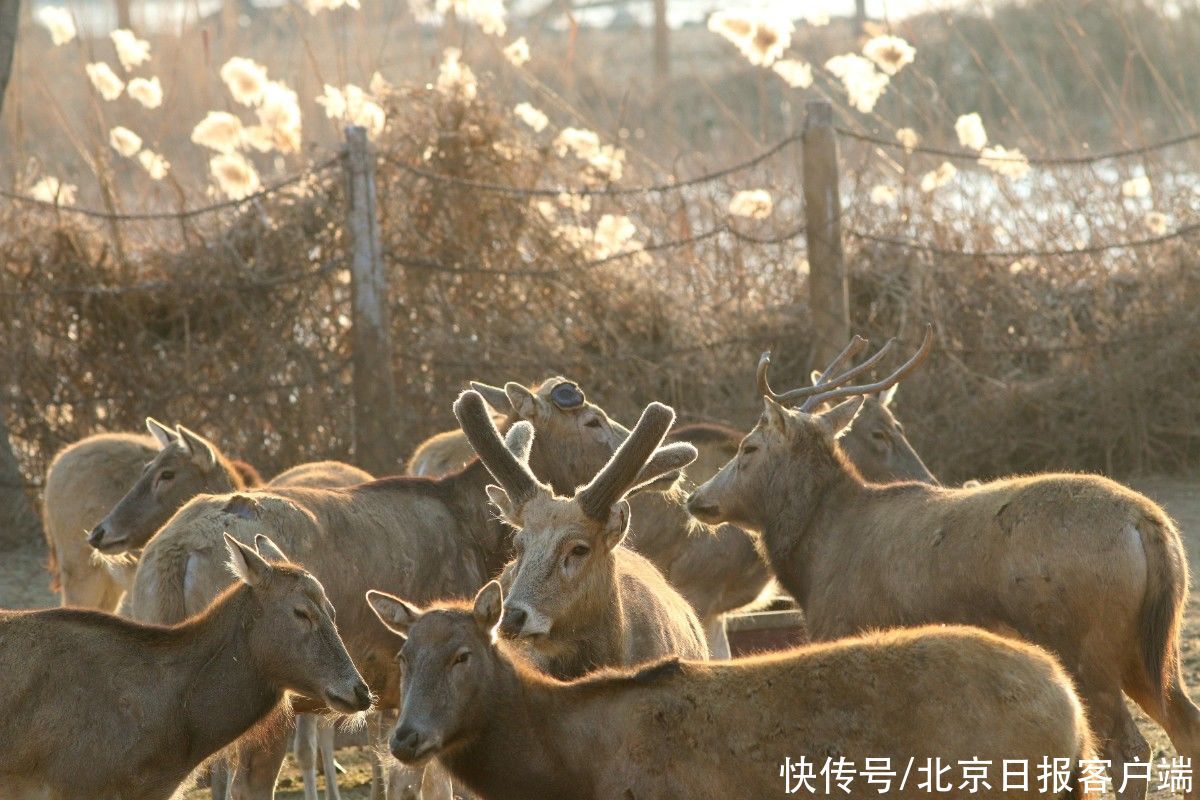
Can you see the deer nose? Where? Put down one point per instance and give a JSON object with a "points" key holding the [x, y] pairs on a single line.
{"points": [[697, 507], [97, 535], [408, 745], [513, 621], [362, 693]]}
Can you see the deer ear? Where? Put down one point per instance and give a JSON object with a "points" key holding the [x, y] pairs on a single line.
{"points": [[500, 499], [837, 419], [524, 402], [246, 563], [162, 434], [494, 396], [617, 524], [888, 395], [775, 415], [396, 615], [268, 549], [202, 452], [489, 604]]}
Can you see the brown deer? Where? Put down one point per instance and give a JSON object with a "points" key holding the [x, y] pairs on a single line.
{"points": [[1078, 564], [578, 600], [84, 482], [679, 729], [97, 706], [423, 537]]}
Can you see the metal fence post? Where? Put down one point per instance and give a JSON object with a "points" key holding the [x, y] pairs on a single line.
{"points": [[375, 429], [828, 295]]}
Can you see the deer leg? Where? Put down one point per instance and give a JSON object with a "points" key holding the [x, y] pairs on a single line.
{"points": [[1119, 739], [259, 763], [378, 734], [220, 775], [718, 640], [306, 753], [326, 736], [436, 783], [1176, 713]]}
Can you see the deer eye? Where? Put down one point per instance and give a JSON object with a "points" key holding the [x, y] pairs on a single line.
{"points": [[302, 614], [166, 475], [879, 435], [592, 423], [749, 448], [461, 658], [580, 550]]}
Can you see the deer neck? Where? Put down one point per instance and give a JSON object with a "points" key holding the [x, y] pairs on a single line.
{"points": [[482, 535], [801, 514], [595, 635], [224, 691], [528, 745]]}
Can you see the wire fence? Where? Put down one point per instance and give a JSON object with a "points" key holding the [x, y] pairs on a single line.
{"points": [[245, 332]]}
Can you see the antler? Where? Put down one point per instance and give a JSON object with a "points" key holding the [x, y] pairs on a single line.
{"points": [[622, 470], [891, 380], [855, 346], [509, 471], [840, 380]]}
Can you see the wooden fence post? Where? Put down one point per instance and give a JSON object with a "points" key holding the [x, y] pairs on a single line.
{"points": [[375, 429], [828, 296]]}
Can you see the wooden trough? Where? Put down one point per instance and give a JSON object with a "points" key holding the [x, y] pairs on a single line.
{"points": [[762, 631]]}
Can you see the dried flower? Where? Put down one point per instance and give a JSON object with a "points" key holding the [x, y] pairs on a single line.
{"points": [[154, 164], [612, 235], [752, 203], [939, 177], [487, 14], [971, 134], [531, 116], [315, 7], [379, 85], [131, 51], [863, 83], [105, 80], [52, 190], [1009, 163], [351, 104], [1156, 223], [455, 78], [762, 38], [797, 74], [235, 175], [59, 22], [246, 79], [907, 138], [890, 53], [818, 19], [148, 92], [607, 163], [1136, 187], [220, 131], [124, 141], [583, 143], [279, 113], [883, 195], [517, 53]]}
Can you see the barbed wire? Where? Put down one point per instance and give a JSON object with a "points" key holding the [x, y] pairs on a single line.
{"points": [[967, 155], [909, 244], [186, 213], [173, 285], [585, 191], [419, 262]]}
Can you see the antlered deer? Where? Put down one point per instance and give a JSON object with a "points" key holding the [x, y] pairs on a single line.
{"points": [[97, 706], [1079, 564], [84, 482], [580, 601], [680, 729]]}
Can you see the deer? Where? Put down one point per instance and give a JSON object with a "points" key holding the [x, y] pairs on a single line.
{"points": [[678, 728], [85, 480], [718, 569], [100, 706], [578, 600], [425, 537], [1078, 564]]}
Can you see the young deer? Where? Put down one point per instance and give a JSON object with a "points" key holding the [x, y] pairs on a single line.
{"points": [[578, 600], [680, 729], [97, 706], [1079, 564]]}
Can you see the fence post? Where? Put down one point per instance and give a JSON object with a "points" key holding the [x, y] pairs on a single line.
{"points": [[19, 525], [375, 430], [828, 296]]}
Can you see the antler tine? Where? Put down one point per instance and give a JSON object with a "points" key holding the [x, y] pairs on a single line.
{"points": [[508, 470], [891, 380], [621, 472], [845, 377], [852, 349]]}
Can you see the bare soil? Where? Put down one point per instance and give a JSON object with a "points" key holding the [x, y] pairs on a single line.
{"points": [[24, 584]]}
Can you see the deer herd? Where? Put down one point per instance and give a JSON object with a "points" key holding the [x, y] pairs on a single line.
{"points": [[539, 606]]}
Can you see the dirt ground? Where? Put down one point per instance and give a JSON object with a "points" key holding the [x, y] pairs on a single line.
{"points": [[23, 584]]}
